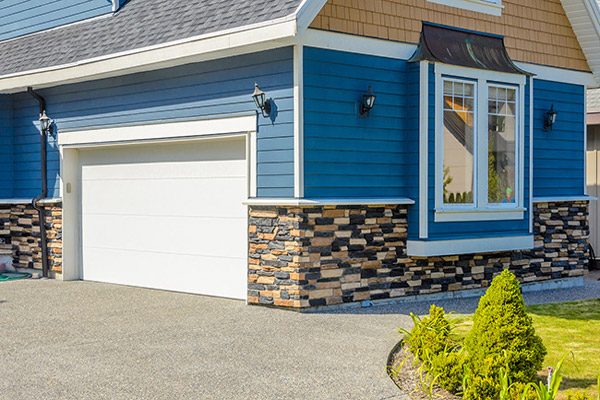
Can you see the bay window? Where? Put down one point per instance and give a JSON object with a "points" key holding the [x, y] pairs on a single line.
{"points": [[479, 145]]}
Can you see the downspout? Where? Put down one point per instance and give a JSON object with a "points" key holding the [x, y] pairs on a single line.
{"points": [[44, 193]]}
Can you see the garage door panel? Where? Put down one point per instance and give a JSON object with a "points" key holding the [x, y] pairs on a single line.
{"points": [[192, 274], [172, 170], [166, 216], [166, 196], [192, 236]]}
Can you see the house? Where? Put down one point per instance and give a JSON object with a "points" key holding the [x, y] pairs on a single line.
{"points": [[297, 153]]}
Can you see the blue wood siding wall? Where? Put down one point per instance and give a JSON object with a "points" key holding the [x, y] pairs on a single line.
{"points": [[6, 147], [213, 89], [20, 17], [412, 147], [477, 229], [558, 155], [348, 156]]}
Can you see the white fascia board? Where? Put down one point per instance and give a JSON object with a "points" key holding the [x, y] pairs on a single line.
{"points": [[421, 248], [306, 12], [252, 38], [584, 16], [157, 131], [559, 74], [357, 44], [557, 199], [276, 201]]}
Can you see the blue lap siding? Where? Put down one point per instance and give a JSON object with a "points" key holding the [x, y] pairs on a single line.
{"points": [[213, 89], [559, 154], [20, 17], [6, 147], [348, 156]]}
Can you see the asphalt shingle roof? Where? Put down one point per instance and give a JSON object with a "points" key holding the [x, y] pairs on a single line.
{"points": [[140, 23]]}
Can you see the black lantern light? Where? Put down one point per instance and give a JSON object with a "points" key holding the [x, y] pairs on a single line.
{"points": [[550, 118], [260, 100], [45, 122], [368, 102]]}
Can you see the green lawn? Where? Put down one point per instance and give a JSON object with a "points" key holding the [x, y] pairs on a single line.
{"points": [[571, 328]]}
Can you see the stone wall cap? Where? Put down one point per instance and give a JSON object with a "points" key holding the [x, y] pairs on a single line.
{"points": [[554, 199], [52, 200], [274, 201]]}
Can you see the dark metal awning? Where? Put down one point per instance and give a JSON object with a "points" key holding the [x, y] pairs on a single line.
{"points": [[467, 49]]}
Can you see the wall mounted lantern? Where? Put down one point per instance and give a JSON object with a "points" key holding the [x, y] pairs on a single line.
{"points": [[45, 122], [550, 118], [260, 100], [368, 102]]}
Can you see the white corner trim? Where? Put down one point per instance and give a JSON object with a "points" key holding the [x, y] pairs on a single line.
{"points": [[482, 6], [276, 201], [158, 131], [357, 44], [476, 215], [421, 248], [555, 199], [423, 148], [531, 154], [455, 70], [298, 121], [585, 142]]}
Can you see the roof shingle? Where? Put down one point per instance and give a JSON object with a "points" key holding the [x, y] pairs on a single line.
{"points": [[140, 23]]}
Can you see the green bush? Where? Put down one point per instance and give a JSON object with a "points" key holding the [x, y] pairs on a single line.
{"points": [[502, 336], [448, 367], [578, 395], [430, 334]]}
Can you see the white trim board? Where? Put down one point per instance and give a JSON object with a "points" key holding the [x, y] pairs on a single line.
{"points": [[298, 121], [158, 131], [421, 248], [423, 148], [276, 201]]}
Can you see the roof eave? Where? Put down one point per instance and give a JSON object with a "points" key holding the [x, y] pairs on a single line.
{"points": [[242, 40], [584, 16]]}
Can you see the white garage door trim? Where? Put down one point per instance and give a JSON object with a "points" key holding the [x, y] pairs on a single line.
{"points": [[71, 142]]}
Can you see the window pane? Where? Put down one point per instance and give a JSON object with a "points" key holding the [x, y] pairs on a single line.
{"points": [[458, 145], [502, 147]]}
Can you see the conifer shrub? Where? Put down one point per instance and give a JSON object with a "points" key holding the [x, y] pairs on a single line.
{"points": [[502, 336]]}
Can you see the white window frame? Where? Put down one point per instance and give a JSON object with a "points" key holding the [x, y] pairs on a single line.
{"points": [[481, 210], [491, 7]]}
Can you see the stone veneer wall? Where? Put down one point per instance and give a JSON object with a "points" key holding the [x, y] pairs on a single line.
{"points": [[20, 233], [312, 256]]}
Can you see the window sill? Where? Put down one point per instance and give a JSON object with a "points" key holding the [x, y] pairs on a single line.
{"points": [[479, 215], [481, 6]]}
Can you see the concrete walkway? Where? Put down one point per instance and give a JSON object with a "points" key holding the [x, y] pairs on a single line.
{"points": [[84, 340]]}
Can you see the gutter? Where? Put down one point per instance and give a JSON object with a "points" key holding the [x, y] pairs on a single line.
{"points": [[44, 176]]}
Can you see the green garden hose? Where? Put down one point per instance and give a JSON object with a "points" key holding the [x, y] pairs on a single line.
{"points": [[13, 275]]}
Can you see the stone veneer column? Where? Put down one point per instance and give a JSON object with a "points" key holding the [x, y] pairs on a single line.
{"points": [[20, 233], [313, 256]]}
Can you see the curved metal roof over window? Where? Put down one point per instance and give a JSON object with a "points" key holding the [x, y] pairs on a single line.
{"points": [[464, 48]]}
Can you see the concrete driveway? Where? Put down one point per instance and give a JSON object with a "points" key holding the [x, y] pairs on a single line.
{"points": [[84, 340]]}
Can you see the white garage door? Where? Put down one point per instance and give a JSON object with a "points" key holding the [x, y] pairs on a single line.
{"points": [[166, 216]]}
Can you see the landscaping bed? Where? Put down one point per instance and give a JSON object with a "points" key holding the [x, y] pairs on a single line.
{"points": [[503, 358]]}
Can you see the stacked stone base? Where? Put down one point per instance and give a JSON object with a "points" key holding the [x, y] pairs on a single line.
{"points": [[20, 235], [314, 256]]}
